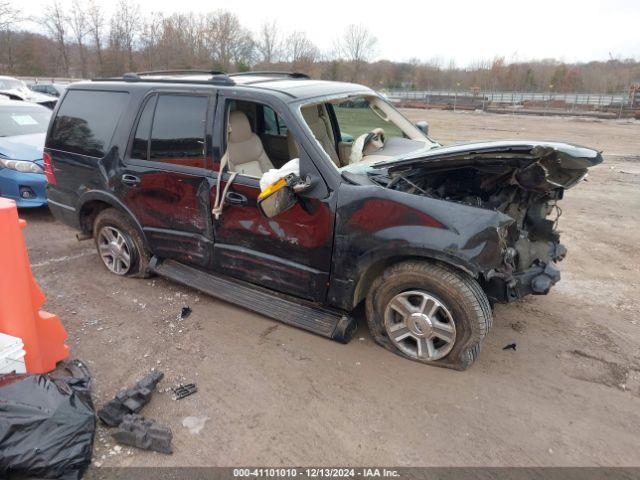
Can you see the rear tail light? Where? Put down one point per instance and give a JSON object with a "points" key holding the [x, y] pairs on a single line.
{"points": [[48, 169]]}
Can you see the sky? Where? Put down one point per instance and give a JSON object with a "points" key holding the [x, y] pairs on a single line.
{"points": [[462, 30]]}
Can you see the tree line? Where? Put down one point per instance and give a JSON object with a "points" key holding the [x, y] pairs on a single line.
{"points": [[80, 40]]}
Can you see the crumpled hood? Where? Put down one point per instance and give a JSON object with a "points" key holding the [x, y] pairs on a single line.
{"points": [[572, 155], [552, 163], [23, 147]]}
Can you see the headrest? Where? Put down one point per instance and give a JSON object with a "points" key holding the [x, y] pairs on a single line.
{"points": [[240, 128]]}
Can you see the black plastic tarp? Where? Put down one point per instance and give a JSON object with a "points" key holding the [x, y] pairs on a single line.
{"points": [[47, 424]]}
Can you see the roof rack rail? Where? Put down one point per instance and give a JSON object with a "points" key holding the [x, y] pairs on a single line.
{"points": [[181, 71], [271, 73], [217, 77]]}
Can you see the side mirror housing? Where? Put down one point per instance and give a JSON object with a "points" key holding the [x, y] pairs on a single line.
{"points": [[277, 198], [423, 126]]}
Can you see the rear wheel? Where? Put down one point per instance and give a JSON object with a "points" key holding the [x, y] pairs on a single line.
{"points": [[429, 313], [119, 244]]}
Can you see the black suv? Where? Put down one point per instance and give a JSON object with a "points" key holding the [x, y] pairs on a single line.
{"points": [[303, 199]]}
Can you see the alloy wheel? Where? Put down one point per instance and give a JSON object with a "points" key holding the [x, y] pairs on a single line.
{"points": [[420, 325], [114, 250]]}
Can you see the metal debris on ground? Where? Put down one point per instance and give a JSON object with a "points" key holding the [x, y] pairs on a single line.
{"points": [[136, 431], [511, 346], [185, 312], [182, 391], [131, 400]]}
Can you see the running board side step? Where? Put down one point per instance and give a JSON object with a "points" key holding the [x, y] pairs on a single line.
{"points": [[298, 313]]}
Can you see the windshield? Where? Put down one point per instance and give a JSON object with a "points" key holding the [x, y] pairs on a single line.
{"points": [[10, 84], [356, 131], [23, 120]]}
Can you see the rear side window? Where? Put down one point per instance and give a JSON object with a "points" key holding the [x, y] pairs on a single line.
{"points": [[178, 131], [140, 148], [86, 121]]}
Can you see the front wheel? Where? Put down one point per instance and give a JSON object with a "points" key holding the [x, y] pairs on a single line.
{"points": [[430, 313]]}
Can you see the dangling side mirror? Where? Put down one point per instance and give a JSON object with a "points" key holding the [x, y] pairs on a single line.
{"points": [[423, 126], [277, 198]]}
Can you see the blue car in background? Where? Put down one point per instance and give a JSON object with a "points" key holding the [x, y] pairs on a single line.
{"points": [[23, 127]]}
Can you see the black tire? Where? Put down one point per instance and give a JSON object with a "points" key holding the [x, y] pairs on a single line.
{"points": [[463, 297], [139, 257]]}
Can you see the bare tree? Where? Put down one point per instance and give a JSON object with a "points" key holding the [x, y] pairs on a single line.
{"points": [[55, 22], [269, 44], [80, 28], [95, 24], [125, 27], [357, 46], [151, 36], [230, 44], [300, 50], [8, 15]]}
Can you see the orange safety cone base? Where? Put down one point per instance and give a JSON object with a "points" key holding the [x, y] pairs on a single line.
{"points": [[42, 333]]}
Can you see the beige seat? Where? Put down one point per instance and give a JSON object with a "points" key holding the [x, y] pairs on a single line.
{"points": [[315, 117], [246, 153]]}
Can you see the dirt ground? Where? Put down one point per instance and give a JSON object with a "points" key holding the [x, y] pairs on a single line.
{"points": [[274, 395]]}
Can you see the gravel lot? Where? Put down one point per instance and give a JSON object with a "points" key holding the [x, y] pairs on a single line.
{"points": [[274, 395]]}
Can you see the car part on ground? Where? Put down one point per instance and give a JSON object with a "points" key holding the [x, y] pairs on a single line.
{"points": [[119, 244], [182, 391], [47, 424], [136, 431], [429, 312], [130, 400]]}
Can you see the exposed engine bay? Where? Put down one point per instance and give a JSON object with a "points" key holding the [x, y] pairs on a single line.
{"points": [[525, 186]]}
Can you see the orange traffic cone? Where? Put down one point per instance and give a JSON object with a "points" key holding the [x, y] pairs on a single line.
{"points": [[42, 333]]}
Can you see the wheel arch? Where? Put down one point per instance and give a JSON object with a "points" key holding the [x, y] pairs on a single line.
{"points": [[374, 268], [93, 202]]}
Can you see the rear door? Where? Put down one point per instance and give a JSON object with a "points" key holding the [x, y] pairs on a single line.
{"points": [[164, 180]]}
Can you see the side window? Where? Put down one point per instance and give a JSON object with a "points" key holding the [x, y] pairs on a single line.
{"points": [[86, 121], [178, 131], [140, 149], [273, 124], [251, 154]]}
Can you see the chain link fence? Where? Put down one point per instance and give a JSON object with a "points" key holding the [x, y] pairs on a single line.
{"points": [[536, 103]]}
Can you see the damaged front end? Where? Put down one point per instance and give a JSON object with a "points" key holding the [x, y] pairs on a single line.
{"points": [[523, 180]]}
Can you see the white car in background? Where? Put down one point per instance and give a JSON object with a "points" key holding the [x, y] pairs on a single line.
{"points": [[16, 89]]}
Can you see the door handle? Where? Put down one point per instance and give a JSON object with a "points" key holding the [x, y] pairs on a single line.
{"points": [[131, 180], [234, 198]]}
